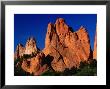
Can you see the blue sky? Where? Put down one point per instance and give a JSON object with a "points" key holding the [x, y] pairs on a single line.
{"points": [[35, 25]]}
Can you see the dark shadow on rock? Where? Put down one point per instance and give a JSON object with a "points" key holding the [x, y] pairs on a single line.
{"points": [[47, 60], [18, 71], [91, 54], [71, 29]]}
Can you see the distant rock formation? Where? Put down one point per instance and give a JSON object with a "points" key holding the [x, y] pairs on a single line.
{"points": [[30, 46], [19, 51], [95, 47]]}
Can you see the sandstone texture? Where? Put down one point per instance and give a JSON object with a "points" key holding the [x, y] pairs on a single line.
{"points": [[34, 65], [95, 47], [19, 51], [67, 48], [29, 49], [30, 46], [64, 49]]}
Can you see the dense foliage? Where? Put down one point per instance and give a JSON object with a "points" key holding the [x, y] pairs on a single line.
{"points": [[18, 71]]}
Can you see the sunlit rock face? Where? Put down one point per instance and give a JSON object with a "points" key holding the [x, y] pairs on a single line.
{"points": [[34, 65], [19, 51], [95, 47], [30, 46], [67, 48], [84, 43], [29, 49]]}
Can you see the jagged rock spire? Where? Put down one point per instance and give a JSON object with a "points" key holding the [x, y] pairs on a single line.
{"points": [[30, 46], [66, 47], [95, 46]]}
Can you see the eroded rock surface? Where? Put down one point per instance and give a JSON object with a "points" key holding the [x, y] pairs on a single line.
{"points": [[95, 47], [30, 46], [68, 48], [19, 51], [64, 49], [34, 65]]}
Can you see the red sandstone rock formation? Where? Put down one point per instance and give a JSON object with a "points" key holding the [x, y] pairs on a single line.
{"points": [[68, 48], [95, 47], [63, 47], [30, 46], [19, 51], [34, 64]]}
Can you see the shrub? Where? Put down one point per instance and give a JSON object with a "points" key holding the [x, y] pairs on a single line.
{"points": [[85, 69], [88, 69]]}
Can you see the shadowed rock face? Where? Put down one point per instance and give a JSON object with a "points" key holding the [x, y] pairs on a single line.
{"points": [[68, 48]]}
